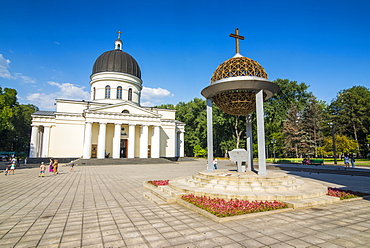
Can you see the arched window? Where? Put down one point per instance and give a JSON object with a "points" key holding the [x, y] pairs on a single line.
{"points": [[94, 93], [130, 94], [119, 92], [125, 111], [107, 92]]}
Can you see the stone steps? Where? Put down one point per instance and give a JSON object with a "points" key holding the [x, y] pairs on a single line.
{"points": [[312, 202], [287, 181], [152, 197]]}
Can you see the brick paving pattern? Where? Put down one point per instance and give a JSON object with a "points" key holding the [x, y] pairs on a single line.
{"points": [[103, 206]]}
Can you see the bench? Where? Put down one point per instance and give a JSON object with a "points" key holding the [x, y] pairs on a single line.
{"points": [[317, 161]]}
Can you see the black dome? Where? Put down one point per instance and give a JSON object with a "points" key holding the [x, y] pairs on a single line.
{"points": [[117, 61]]}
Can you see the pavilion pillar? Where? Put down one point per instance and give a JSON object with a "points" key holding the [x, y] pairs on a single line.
{"points": [[131, 141], [116, 141], [249, 140], [210, 167], [261, 134], [144, 141], [87, 141], [101, 140]]}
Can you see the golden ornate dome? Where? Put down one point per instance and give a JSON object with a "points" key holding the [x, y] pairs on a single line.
{"points": [[238, 66]]}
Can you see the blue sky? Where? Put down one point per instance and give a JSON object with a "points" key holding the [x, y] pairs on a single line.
{"points": [[48, 48]]}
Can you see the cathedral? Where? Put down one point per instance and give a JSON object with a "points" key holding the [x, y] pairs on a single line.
{"points": [[112, 124]]}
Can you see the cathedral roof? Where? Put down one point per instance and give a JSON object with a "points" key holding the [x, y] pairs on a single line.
{"points": [[117, 61]]}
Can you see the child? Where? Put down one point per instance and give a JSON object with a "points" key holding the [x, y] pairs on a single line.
{"points": [[72, 165], [42, 170], [6, 171]]}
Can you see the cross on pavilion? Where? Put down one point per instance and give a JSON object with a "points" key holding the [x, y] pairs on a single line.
{"points": [[237, 38]]}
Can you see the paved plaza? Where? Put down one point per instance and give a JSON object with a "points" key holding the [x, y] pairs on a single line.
{"points": [[103, 206]]}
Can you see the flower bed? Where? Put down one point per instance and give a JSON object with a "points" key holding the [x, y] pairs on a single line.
{"points": [[344, 194], [225, 208], [159, 182]]}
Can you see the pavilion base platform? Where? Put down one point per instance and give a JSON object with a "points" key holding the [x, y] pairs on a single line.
{"points": [[296, 193]]}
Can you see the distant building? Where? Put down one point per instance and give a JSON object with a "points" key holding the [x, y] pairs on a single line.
{"points": [[112, 123]]}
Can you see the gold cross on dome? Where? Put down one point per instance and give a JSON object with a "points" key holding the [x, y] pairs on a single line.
{"points": [[237, 38], [119, 34]]}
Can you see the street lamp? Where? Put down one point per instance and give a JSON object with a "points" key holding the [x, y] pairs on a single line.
{"points": [[273, 141], [334, 144]]}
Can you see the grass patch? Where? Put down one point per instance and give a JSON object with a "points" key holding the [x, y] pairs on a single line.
{"points": [[233, 207]]}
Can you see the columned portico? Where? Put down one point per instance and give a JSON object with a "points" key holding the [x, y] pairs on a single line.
{"points": [[144, 141], [45, 142], [181, 141], [155, 142], [116, 140], [87, 141], [34, 139], [101, 140], [131, 141]]}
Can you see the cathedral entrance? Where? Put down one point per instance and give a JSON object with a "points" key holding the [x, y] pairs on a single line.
{"points": [[94, 149], [123, 148]]}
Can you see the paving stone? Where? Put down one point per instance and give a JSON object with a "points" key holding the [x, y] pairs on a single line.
{"points": [[108, 210]]}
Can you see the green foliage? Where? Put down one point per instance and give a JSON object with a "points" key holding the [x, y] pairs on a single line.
{"points": [[199, 151], [350, 113], [344, 145], [15, 122]]}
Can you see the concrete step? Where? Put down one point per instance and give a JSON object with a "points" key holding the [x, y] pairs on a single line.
{"points": [[312, 202], [154, 198], [224, 181], [308, 190], [163, 195], [122, 161], [245, 186]]}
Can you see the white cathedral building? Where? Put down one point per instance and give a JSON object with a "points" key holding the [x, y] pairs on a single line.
{"points": [[112, 124]]}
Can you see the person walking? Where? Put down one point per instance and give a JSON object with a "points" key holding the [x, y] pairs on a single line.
{"points": [[346, 161], [42, 170], [215, 163], [352, 158], [51, 165], [12, 166], [55, 167]]}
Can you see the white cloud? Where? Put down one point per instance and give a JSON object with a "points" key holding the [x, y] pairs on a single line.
{"points": [[4, 65], [56, 42], [66, 91], [153, 96], [25, 79], [5, 73]]}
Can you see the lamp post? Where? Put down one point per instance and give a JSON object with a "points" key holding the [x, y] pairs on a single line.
{"points": [[334, 144], [273, 141]]}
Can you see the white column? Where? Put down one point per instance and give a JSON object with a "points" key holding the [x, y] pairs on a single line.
{"points": [[117, 141], [101, 140], [33, 145], [155, 142], [45, 142], [181, 144], [261, 135], [249, 141], [131, 141], [87, 141], [210, 167], [144, 141]]}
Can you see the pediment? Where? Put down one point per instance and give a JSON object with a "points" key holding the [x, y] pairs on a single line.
{"points": [[125, 107]]}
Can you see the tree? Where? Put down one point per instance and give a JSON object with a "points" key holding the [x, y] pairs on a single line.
{"points": [[15, 122], [351, 114], [344, 145], [276, 110]]}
